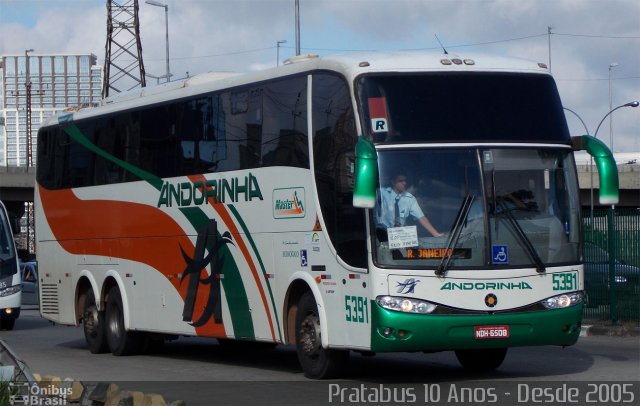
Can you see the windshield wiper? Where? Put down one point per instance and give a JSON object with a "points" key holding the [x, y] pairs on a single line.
{"points": [[461, 218], [526, 243]]}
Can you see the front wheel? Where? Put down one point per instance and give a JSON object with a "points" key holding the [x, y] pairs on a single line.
{"points": [[317, 362], [481, 360], [121, 341]]}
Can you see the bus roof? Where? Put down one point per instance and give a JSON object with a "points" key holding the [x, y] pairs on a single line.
{"points": [[350, 65]]}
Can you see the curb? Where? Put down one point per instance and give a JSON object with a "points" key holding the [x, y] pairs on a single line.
{"points": [[609, 331]]}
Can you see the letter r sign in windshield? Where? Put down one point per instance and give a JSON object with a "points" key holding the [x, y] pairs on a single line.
{"points": [[378, 114]]}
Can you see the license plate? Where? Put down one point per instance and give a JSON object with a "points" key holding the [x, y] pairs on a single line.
{"points": [[489, 332]]}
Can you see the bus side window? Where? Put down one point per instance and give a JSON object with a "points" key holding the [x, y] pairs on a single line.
{"points": [[334, 140], [284, 136]]}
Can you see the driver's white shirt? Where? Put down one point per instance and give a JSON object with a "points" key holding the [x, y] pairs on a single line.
{"points": [[407, 204]]}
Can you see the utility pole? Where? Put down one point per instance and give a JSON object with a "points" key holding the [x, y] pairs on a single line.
{"points": [[27, 85], [123, 45], [297, 27], [549, 47]]}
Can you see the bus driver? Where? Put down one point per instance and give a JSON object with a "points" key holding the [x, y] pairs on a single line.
{"points": [[397, 204]]}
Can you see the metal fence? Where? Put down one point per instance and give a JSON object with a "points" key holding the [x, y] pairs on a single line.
{"points": [[612, 259]]}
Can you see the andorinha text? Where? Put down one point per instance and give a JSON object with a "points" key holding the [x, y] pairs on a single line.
{"points": [[214, 191], [485, 286]]}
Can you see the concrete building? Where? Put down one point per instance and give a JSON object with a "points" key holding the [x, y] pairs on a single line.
{"points": [[57, 82]]}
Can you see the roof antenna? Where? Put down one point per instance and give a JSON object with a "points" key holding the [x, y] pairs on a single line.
{"points": [[439, 42]]}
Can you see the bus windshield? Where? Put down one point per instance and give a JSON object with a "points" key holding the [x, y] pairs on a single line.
{"points": [[461, 107], [480, 207]]}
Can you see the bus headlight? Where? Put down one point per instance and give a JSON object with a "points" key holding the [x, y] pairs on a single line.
{"points": [[564, 300], [406, 305], [10, 290]]}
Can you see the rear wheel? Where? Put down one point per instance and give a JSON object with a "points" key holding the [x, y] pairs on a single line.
{"points": [[93, 325], [481, 360], [317, 362], [121, 341]]}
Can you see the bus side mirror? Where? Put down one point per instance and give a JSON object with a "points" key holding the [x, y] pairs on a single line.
{"points": [[366, 174], [607, 168]]}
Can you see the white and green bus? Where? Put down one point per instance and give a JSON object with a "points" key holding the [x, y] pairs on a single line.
{"points": [[248, 208], [10, 278]]}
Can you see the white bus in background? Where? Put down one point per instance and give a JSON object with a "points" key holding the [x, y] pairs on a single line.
{"points": [[10, 281], [247, 208]]}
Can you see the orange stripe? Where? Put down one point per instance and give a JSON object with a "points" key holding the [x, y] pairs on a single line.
{"points": [[139, 233], [228, 221]]}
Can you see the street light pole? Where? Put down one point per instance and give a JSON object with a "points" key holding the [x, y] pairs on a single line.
{"points": [[611, 66], [166, 22], [297, 4], [610, 219], [284, 41], [634, 103], [579, 118]]}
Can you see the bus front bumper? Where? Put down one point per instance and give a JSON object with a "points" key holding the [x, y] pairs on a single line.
{"points": [[10, 313], [397, 331]]}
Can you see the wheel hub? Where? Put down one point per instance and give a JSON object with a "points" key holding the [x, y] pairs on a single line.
{"points": [[91, 321], [310, 335]]}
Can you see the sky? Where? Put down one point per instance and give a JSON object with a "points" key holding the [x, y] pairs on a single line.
{"points": [[587, 36]]}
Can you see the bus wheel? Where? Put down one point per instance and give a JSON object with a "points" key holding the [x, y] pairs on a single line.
{"points": [[316, 362], [481, 360], [93, 325], [121, 341]]}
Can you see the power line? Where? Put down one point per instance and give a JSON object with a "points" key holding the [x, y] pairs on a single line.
{"points": [[597, 36], [526, 37], [597, 79], [248, 51], [434, 48]]}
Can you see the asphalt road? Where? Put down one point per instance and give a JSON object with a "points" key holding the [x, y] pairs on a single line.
{"points": [[198, 370]]}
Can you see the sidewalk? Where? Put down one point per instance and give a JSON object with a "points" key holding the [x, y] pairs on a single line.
{"points": [[605, 328]]}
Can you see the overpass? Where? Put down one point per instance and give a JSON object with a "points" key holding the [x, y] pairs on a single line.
{"points": [[16, 186], [629, 178]]}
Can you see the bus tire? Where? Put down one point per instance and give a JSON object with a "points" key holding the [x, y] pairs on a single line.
{"points": [[316, 362], [93, 325], [121, 341], [481, 360]]}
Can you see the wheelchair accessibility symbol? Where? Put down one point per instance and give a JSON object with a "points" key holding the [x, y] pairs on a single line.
{"points": [[499, 254]]}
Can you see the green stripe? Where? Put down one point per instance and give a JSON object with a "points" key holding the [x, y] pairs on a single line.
{"points": [[75, 133], [257, 253]]}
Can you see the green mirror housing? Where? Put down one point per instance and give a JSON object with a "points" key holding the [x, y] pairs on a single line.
{"points": [[366, 174], [607, 168]]}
